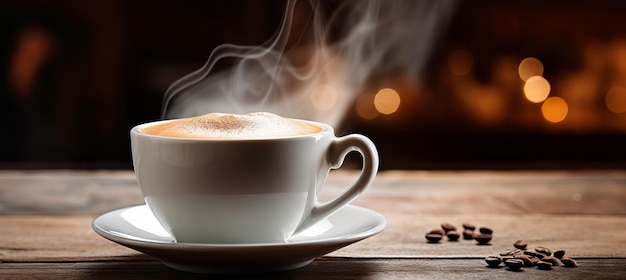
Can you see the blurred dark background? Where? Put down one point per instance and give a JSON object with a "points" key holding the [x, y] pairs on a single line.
{"points": [[75, 76]]}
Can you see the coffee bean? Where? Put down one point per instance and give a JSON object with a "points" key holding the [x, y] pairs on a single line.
{"points": [[569, 262], [433, 237], [483, 238], [447, 227], [540, 255], [485, 230], [438, 231], [453, 235], [559, 254], [530, 253], [511, 252], [467, 226], [526, 259], [493, 261], [514, 264], [543, 250], [535, 260], [551, 259], [468, 234], [520, 244], [544, 265]]}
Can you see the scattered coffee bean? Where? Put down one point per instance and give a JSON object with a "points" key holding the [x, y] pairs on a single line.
{"points": [[525, 259], [485, 230], [544, 265], [542, 257], [453, 235], [493, 261], [468, 234], [448, 227], [530, 253], [514, 264], [470, 227], [512, 252], [535, 260], [520, 244], [449, 230], [543, 250], [483, 238], [433, 237], [559, 254], [551, 259], [438, 231], [568, 262]]}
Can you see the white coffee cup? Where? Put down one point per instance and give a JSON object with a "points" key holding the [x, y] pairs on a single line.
{"points": [[244, 190]]}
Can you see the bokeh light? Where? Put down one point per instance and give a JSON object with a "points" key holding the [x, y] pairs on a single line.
{"points": [[536, 89], [324, 97], [34, 46], [530, 67], [615, 100], [365, 106], [460, 62], [387, 101], [554, 109]]}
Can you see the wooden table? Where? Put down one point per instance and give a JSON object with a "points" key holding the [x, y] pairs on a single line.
{"points": [[45, 225]]}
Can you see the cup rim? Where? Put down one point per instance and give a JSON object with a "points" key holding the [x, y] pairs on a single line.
{"points": [[136, 130]]}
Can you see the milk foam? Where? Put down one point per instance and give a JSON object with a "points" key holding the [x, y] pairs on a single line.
{"points": [[232, 126]]}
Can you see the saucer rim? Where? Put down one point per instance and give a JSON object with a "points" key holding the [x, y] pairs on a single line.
{"points": [[380, 225]]}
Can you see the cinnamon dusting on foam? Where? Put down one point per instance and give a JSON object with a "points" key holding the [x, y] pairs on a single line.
{"points": [[232, 126]]}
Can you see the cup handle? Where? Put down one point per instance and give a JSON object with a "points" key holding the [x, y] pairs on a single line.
{"points": [[336, 154]]}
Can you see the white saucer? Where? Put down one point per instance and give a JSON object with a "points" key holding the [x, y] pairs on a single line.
{"points": [[135, 227]]}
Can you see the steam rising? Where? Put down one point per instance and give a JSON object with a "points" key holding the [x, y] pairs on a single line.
{"points": [[318, 78]]}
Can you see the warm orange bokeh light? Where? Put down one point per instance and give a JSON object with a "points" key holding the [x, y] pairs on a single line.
{"points": [[387, 101], [554, 109], [536, 89], [615, 100], [33, 47], [529, 67]]}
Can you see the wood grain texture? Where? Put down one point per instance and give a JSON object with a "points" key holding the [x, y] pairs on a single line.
{"points": [[53, 238], [66, 192], [323, 268], [45, 224]]}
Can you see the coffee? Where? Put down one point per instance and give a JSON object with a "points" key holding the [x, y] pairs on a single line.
{"points": [[468, 234], [552, 260], [483, 238], [449, 230], [559, 254], [543, 250], [493, 261], [433, 237], [236, 179], [540, 257], [448, 227], [569, 262], [453, 235], [232, 126], [485, 230], [520, 244], [544, 265], [514, 264], [468, 226]]}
